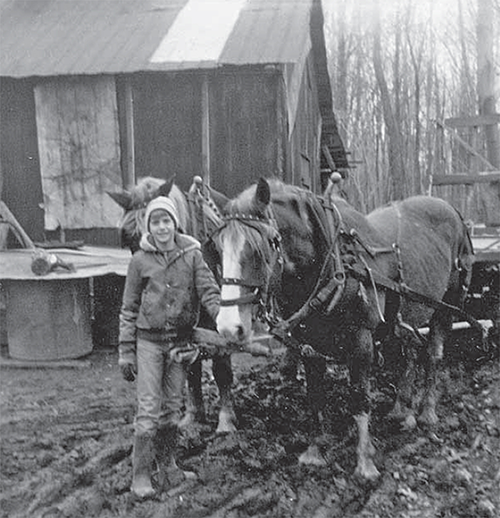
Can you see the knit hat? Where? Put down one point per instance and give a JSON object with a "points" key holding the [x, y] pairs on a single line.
{"points": [[163, 203]]}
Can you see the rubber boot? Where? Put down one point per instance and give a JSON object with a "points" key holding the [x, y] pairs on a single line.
{"points": [[169, 474], [142, 466]]}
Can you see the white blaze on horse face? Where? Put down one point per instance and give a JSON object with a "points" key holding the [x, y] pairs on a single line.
{"points": [[228, 321]]}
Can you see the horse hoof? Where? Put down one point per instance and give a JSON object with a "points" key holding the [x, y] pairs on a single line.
{"points": [[428, 418], [367, 473], [143, 493], [226, 428], [226, 423], [312, 457], [409, 424]]}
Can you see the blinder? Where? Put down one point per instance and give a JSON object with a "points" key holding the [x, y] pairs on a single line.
{"points": [[263, 226]]}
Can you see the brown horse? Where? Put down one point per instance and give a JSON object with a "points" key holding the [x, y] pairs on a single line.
{"points": [[339, 276], [199, 216]]}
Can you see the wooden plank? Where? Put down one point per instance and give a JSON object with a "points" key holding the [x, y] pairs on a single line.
{"points": [[34, 364], [7, 216], [478, 120], [466, 146], [205, 130], [79, 150], [328, 157], [129, 173], [460, 179]]}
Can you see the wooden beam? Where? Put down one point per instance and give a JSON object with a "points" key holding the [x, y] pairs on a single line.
{"points": [[45, 364], [466, 146], [478, 120], [328, 157], [459, 179], [7, 216], [205, 130], [129, 172]]}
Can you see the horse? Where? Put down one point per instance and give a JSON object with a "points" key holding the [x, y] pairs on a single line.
{"points": [[199, 215], [338, 277]]}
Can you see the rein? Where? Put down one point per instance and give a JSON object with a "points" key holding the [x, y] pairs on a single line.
{"points": [[332, 279], [334, 289]]}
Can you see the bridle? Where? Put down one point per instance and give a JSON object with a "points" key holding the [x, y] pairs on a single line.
{"points": [[331, 267], [267, 228], [199, 203]]}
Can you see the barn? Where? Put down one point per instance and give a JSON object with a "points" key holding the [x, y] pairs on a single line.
{"points": [[97, 94]]}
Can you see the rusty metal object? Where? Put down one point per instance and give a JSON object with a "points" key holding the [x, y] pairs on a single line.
{"points": [[43, 263]]}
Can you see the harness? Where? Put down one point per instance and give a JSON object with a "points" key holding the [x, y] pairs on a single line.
{"points": [[260, 291], [343, 269], [200, 223]]}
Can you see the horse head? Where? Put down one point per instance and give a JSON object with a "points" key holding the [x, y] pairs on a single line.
{"points": [[134, 204], [199, 211], [252, 260]]}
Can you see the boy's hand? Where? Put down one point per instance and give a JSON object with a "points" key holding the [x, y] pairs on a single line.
{"points": [[127, 361]]}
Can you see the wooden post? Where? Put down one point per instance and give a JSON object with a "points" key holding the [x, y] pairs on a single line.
{"points": [[7, 216], [205, 130], [129, 173]]}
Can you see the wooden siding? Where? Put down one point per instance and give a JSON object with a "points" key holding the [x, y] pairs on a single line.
{"points": [[20, 183], [167, 126], [79, 151], [303, 163], [245, 114], [244, 131]]}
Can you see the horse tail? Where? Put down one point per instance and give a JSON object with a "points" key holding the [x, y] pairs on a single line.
{"points": [[465, 258]]}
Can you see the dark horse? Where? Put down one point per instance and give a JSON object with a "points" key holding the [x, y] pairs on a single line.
{"points": [[339, 276], [198, 216]]}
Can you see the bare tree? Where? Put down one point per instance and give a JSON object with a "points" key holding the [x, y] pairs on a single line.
{"points": [[394, 143], [399, 74], [487, 105]]}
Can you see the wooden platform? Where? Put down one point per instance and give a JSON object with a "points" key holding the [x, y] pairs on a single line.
{"points": [[486, 242], [54, 317]]}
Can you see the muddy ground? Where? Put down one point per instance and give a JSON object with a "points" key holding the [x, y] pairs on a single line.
{"points": [[66, 437]]}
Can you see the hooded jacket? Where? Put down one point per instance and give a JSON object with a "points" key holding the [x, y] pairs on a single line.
{"points": [[163, 291]]}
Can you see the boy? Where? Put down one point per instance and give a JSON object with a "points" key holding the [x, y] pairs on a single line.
{"points": [[166, 282]]}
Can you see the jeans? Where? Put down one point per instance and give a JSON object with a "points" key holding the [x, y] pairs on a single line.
{"points": [[160, 387]]}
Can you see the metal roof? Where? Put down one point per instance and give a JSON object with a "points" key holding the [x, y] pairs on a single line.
{"points": [[70, 37]]}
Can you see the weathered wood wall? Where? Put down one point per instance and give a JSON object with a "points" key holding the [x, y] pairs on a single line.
{"points": [[244, 131], [78, 142], [167, 126], [304, 155], [20, 182], [236, 121]]}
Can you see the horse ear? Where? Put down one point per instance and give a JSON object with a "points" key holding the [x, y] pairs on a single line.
{"points": [[221, 200], [164, 190], [263, 193], [122, 198]]}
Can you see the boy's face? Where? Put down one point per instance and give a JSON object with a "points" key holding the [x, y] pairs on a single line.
{"points": [[162, 227]]}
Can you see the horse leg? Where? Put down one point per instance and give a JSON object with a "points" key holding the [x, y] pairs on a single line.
{"points": [[439, 328], [315, 369], [404, 406], [195, 410], [290, 365], [360, 369], [223, 374]]}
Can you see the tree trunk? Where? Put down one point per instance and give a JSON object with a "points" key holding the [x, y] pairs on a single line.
{"points": [[396, 168], [486, 77], [487, 104]]}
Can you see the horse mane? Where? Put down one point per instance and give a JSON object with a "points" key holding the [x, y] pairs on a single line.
{"points": [[293, 209], [301, 215]]}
